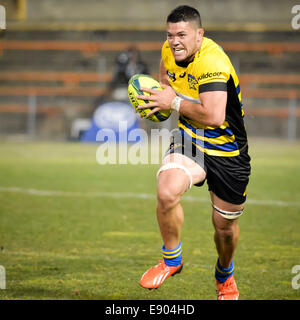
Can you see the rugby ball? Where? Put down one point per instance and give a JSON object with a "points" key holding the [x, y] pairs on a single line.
{"points": [[135, 84]]}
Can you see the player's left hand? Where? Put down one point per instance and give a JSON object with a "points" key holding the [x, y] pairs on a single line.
{"points": [[159, 100]]}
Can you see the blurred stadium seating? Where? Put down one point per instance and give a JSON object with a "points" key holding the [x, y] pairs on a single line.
{"points": [[60, 69]]}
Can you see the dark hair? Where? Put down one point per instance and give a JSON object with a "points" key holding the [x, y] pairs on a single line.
{"points": [[184, 13]]}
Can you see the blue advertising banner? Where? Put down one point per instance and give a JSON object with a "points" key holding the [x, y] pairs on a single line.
{"points": [[110, 116]]}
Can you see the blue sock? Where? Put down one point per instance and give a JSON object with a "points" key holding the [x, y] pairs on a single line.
{"points": [[222, 274], [172, 257]]}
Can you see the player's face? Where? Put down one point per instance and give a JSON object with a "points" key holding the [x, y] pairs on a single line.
{"points": [[184, 39]]}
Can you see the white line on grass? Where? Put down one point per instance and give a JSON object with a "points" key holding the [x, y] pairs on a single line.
{"points": [[146, 196]]}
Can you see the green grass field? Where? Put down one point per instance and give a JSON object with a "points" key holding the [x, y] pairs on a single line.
{"points": [[73, 229]]}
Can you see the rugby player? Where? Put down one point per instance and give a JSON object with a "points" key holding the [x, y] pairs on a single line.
{"points": [[200, 84]]}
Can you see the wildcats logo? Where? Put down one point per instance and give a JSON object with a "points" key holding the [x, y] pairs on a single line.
{"points": [[209, 75], [192, 81]]}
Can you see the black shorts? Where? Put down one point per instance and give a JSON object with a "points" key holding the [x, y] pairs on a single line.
{"points": [[227, 177]]}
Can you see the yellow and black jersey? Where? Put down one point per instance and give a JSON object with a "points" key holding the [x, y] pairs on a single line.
{"points": [[210, 70]]}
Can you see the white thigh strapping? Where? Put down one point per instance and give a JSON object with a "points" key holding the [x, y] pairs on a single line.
{"points": [[174, 165], [228, 214]]}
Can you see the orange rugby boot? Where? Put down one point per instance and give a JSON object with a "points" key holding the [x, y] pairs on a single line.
{"points": [[156, 275], [227, 290]]}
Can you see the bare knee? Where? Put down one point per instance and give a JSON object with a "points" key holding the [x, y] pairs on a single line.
{"points": [[167, 198], [227, 234], [171, 185]]}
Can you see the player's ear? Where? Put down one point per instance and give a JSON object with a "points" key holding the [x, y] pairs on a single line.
{"points": [[200, 33]]}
